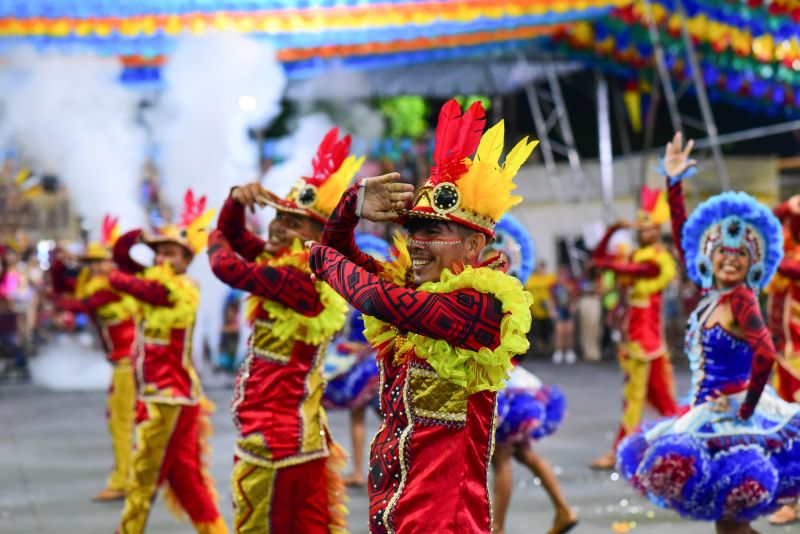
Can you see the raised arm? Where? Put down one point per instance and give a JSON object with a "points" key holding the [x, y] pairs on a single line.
{"points": [[121, 252], [339, 232], [644, 269], [149, 291], [676, 166], [748, 314], [467, 318], [601, 250], [232, 224], [602, 260], [287, 285]]}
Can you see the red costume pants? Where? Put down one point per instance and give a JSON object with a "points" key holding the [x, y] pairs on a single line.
{"points": [[280, 500], [168, 449], [645, 380]]}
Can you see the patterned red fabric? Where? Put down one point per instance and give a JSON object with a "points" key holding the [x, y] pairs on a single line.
{"points": [[287, 285], [231, 223], [466, 318], [339, 233], [747, 313], [426, 475]]}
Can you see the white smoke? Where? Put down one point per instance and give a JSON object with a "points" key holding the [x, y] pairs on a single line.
{"points": [[296, 153], [71, 363], [68, 115], [217, 86]]}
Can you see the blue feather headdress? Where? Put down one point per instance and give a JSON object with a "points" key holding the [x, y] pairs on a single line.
{"points": [[732, 219], [513, 239], [374, 246]]}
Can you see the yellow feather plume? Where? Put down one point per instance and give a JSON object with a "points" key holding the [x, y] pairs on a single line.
{"points": [[395, 271], [329, 193], [486, 188], [196, 234]]}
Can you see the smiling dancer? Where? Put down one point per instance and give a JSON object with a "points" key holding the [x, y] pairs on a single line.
{"points": [[446, 325], [114, 314], [286, 474], [170, 427], [733, 456], [643, 354]]}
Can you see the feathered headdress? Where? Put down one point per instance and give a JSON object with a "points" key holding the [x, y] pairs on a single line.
{"points": [[732, 219], [333, 169], [654, 208], [472, 192], [190, 230], [101, 249]]}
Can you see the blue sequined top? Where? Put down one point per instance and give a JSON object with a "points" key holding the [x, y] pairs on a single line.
{"points": [[725, 363]]}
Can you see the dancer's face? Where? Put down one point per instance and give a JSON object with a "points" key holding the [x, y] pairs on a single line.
{"points": [[173, 254], [438, 245], [730, 266], [101, 267], [648, 234], [285, 227]]}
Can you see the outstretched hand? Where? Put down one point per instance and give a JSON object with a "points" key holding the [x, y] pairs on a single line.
{"points": [[385, 197], [794, 204], [250, 195], [676, 156]]}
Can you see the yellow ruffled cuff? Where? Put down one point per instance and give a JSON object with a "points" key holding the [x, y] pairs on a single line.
{"points": [[183, 293], [481, 370], [87, 285], [667, 270], [290, 324]]}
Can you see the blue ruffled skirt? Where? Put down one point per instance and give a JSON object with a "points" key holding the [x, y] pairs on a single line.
{"points": [[527, 409], [708, 465], [352, 375]]}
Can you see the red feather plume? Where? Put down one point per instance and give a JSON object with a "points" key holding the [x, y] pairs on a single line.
{"points": [[649, 198], [192, 208], [331, 153], [457, 138], [107, 229]]}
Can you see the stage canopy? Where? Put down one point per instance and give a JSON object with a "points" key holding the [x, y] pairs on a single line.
{"points": [[310, 35], [749, 49]]}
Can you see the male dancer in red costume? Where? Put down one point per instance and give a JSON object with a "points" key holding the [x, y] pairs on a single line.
{"points": [[113, 313], [285, 478], [170, 428], [643, 353], [783, 315], [446, 326]]}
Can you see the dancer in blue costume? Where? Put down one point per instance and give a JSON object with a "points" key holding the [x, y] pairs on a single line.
{"points": [[735, 455], [351, 371], [527, 410]]}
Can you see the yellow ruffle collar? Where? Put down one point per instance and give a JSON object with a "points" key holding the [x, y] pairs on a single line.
{"points": [[87, 285], [475, 371], [183, 294], [290, 324]]}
